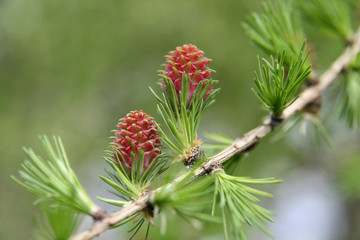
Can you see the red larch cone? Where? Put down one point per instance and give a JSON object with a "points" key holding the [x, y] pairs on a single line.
{"points": [[137, 131], [190, 60]]}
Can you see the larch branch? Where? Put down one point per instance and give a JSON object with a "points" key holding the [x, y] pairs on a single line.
{"points": [[250, 139]]}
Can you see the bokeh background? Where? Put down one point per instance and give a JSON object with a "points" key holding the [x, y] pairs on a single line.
{"points": [[73, 68]]}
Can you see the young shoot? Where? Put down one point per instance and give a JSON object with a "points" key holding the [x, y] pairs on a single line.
{"points": [[277, 87], [277, 28], [238, 203], [53, 180]]}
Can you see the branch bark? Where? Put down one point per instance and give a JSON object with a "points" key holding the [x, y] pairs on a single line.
{"points": [[243, 144]]}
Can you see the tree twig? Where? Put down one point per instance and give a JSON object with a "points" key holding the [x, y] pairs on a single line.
{"points": [[246, 143]]}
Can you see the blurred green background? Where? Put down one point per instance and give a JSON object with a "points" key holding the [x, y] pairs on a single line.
{"points": [[73, 68]]}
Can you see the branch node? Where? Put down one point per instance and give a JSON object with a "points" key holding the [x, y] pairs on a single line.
{"points": [[213, 168], [275, 121], [314, 106], [148, 211], [99, 214], [350, 41], [312, 81], [195, 155]]}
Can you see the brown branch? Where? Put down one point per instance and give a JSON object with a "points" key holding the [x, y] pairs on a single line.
{"points": [[243, 144], [102, 225]]}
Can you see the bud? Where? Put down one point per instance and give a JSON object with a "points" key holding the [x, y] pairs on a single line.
{"points": [[190, 60], [136, 132]]}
